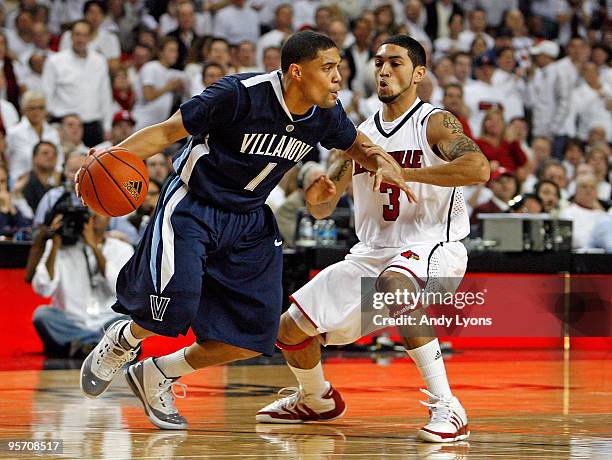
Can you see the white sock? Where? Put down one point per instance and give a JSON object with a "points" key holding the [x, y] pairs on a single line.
{"points": [[174, 365], [129, 338], [430, 364], [311, 380]]}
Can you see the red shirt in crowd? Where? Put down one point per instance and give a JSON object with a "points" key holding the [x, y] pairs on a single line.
{"points": [[507, 154]]}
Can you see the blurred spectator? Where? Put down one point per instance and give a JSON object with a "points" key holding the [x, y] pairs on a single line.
{"points": [[76, 81], [462, 64], [501, 146], [526, 204], [211, 73], [477, 25], [554, 171], [20, 38], [549, 194], [446, 45], [588, 107], [71, 135], [33, 128], [158, 168], [140, 56], [509, 78], [453, 102], [40, 47], [287, 213], [202, 21], [63, 13], [338, 32], [601, 235], [9, 89], [518, 129], [212, 50], [271, 59], [29, 73], [541, 148], [100, 40], [597, 158], [185, 33], [385, 19], [123, 93], [283, 27], [521, 42], [440, 14], [351, 100], [358, 55], [304, 12], [504, 185], [543, 90], [80, 278], [123, 127], [481, 96], [568, 74], [11, 219], [478, 46], [43, 175], [236, 23], [246, 56], [159, 84], [573, 155], [585, 211], [414, 15]]}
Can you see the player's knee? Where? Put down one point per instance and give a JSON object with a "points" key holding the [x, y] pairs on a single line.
{"points": [[289, 332]]}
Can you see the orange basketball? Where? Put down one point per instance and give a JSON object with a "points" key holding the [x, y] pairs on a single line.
{"points": [[113, 182]]}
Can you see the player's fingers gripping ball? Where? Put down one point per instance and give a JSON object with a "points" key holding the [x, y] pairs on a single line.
{"points": [[113, 182]]}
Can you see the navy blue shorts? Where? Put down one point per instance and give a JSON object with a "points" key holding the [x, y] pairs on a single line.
{"points": [[198, 266]]}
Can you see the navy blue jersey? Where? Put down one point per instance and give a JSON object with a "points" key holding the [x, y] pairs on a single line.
{"points": [[244, 139]]}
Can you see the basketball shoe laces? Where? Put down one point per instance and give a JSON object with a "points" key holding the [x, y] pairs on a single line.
{"points": [[440, 408], [166, 392], [113, 356], [295, 396]]}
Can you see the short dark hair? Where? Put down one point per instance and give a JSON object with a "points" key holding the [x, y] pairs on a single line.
{"points": [[416, 52], [452, 85], [542, 182], [40, 144], [98, 3], [303, 46]]}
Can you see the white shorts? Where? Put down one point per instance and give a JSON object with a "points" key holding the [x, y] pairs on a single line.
{"points": [[330, 303]]}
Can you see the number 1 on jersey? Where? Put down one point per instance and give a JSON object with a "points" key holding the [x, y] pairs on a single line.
{"points": [[260, 177], [391, 211]]}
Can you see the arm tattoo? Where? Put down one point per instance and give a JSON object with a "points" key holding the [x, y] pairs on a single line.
{"points": [[458, 147], [339, 169], [451, 123]]}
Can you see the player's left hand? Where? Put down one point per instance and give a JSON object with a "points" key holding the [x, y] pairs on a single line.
{"points": [[389, 171], [320, 191]]}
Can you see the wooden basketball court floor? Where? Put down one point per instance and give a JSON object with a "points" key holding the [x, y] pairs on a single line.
{"points": [[521, 404]]}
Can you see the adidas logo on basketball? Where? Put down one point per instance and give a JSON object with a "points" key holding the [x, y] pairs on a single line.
{"points": [[134, 187]]}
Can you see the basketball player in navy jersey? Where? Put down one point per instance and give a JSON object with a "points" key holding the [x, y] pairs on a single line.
{"points": [[211, 258], [408, 246]]}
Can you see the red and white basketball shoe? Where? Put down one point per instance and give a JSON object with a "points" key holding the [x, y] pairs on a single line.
{"points": [[300, 407], [448, 422]]}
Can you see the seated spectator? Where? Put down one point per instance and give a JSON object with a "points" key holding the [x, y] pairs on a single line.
{"points": [[573, 155], [71, 135], [526, 204], [541, 149], [43, 175], [158, 167], [446, 46], [247, 57], [452, 100], [237, 22], [287, 213], [283, 28], [500, 145], [12, 220], [79, 273], [32, 129], [504, 185], [271, 59], [549, 194], [184, 33], [601, 236], [597, 158], [585, 211], [123, 127]]}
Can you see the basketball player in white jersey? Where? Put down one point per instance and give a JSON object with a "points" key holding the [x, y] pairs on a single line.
{"points": [[405, 244]]}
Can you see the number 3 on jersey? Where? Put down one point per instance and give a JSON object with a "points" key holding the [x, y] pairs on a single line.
{"points": [[391, 210]]}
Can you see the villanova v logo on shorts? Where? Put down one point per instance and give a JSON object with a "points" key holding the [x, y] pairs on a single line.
{"points": [[158, 306]]}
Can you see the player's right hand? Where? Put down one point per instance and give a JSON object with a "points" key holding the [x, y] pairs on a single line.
{"points": [[320, 191]]}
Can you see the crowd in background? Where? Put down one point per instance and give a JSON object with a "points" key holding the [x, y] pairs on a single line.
{"points": [[530, 81]]}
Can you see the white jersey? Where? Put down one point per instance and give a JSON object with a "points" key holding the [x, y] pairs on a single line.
{"points": [[386, 218]]}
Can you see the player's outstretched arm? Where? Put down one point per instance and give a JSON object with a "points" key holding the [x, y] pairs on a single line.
{"points": [[155, 138], [329, 188], [466, 163]]}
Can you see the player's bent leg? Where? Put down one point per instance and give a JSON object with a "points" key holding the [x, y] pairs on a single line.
{"points": [[314, 400], [448, 419], [154, 380], [118, 346]]}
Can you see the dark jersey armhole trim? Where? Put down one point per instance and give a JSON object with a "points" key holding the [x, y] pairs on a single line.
{"points": [[435, 148]]}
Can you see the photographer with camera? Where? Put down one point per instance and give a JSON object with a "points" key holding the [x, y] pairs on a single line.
{"points": [[78, 269]]}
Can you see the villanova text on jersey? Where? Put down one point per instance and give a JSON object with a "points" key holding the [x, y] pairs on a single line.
{"points": [[244, 139]]}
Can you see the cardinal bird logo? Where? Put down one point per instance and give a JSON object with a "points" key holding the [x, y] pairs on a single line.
{"points": [[411, 255]]}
